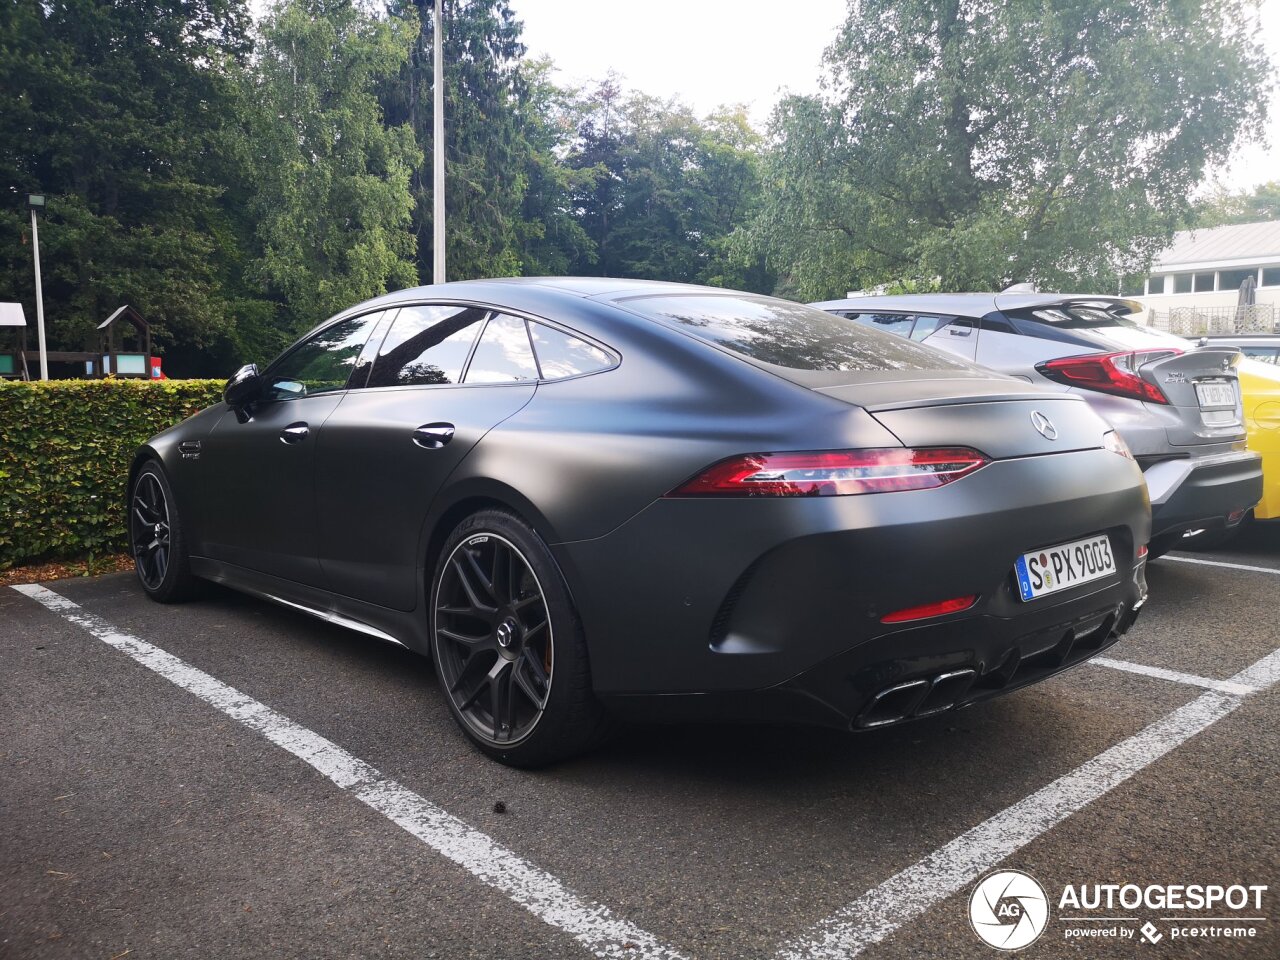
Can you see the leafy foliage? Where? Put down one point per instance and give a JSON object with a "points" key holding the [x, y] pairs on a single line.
{"points": [[65, 450], [1261, 203], [332, 201], [122, 114], [486, 153], [978, 143], [239, 184], [661, 191]]}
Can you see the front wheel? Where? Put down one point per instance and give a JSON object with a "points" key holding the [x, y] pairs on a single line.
{"points": [[508, 646], [156, 538]]}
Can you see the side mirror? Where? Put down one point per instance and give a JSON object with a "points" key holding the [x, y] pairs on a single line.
{"points": [[243, 388]]}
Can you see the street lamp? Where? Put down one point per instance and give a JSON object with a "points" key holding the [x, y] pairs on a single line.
{"points": [[437, 145], [35, 203]]}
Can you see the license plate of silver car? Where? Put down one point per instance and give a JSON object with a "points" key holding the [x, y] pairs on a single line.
{"points": [[1215, 394]]}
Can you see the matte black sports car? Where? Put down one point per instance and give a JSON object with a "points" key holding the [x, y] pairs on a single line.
{"points": [[592, 498]]}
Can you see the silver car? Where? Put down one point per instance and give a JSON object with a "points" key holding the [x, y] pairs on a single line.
{"points": [[1177, 406]]}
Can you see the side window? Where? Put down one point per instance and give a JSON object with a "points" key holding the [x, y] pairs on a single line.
{"points": [[563, 355], [324, 363], [888, 322], [503, 354], [364, 363], [926, 325], [426, 345], [1265, 354]]}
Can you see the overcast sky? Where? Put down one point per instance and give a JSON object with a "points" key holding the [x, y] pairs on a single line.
{"points": [[713, 52]]}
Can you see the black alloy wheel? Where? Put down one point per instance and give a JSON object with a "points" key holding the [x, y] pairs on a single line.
{"points": [[509, 647], [494, 638], [156, 539], [149, 529]]}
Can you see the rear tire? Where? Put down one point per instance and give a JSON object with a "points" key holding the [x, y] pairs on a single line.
{"points": [[508, 645], [156, 538]]}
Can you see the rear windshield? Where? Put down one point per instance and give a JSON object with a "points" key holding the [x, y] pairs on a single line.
{"points": [[790, 334]]}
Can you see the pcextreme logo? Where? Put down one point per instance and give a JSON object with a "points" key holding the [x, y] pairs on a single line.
{"points": [[1009, 910]]}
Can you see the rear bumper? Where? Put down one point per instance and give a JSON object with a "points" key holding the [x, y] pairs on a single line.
{"points": [[920, 673], [1204, 492], [771, 609]]}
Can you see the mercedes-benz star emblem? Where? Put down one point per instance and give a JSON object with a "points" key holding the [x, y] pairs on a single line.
{"points": [[1044, 425], [505, 635]]}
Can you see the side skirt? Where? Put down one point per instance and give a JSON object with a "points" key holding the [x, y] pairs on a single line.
{"points": [[390, 626]]}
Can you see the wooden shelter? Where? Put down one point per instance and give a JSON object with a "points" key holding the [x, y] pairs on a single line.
{"points": [[12, 364], [121, 363]]}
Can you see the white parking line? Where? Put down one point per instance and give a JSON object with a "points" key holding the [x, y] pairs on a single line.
{"points": [[1222, 563], [591, 924], [1177, 676], [879, 912]]}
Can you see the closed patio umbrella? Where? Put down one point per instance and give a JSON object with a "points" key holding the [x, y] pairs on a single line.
{"points": [[1248, 292], [1245, 310]]}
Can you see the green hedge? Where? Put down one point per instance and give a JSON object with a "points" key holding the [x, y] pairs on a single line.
{"points": [[65, 450]]}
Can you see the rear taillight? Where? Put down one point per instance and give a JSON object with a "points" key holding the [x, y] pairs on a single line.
{"points": [[1115, 373], [1115, 443], [832, 473]]}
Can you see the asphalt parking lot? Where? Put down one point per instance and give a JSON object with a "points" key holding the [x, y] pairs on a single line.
{"points": [[150, 808]]}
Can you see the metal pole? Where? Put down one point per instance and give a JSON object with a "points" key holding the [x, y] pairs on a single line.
{"points": [[44, 354], [437, 145]]}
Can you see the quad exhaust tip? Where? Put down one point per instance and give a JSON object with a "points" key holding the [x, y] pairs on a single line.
{"points": [[916, 698]]}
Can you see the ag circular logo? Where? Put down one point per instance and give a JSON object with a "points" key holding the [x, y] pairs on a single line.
{"points": [[1009, 910]]}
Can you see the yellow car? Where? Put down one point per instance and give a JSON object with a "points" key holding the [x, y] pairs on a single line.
{"points": [[1260, 389], [1260, 396]]}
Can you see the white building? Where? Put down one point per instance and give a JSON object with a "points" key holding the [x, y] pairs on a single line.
{"points": [[1194, 286]]}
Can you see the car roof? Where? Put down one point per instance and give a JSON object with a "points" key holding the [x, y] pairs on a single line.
{"points": [[589, 304], [1248, 337], [972, 304], [526, 291]]}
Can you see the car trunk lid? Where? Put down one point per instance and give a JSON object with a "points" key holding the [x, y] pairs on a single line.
{"points": [[1034, 424], [1202, 386]]}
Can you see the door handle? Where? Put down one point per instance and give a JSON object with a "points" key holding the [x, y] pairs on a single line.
{"points": [[433, 436], [295, 433], [960, 331]]}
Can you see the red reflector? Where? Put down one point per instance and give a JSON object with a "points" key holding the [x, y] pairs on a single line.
{"points": [[931, 610], [833, 473], [1142, 551], [1115, 373]]}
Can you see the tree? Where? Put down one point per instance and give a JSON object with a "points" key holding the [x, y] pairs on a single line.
{"points": [[486, 154], [973, 144], [662, 191], [331, 197], [1262, 203], [597, 155], [550, 238], [122, 114]]}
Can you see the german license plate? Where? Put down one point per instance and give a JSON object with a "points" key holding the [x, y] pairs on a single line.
{"points": [[1051, 569], [1215, 394]]}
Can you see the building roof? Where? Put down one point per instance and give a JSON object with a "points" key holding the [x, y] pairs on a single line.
{"points": [[1234, 243]]}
